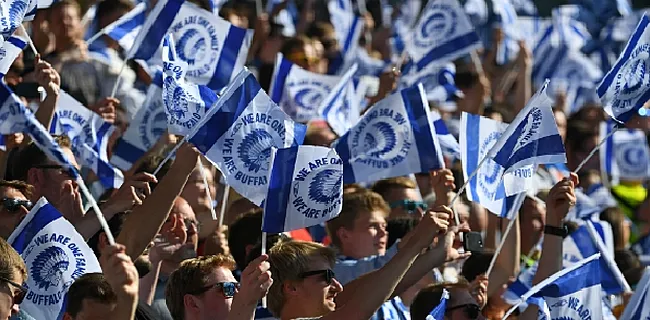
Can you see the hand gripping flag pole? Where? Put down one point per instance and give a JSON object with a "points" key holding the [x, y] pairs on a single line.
{"points": [[207, 188]]}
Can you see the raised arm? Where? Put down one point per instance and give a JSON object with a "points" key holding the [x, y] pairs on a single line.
{"points": [[50, 80], [121, 274], [523, 91], [507, 263]]}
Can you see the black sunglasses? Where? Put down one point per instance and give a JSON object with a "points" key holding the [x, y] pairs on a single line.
{"points": [[229, 289], [20, 295], [13, 205], [327, 274], [471, 310]]}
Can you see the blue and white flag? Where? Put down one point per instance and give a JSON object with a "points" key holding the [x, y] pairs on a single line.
{"points": [[477, 136], [585, 207], [437, 80], [395, 137], [341, 108], [299, 92], [10, 51], [448, 143], [55, 255], [89, 135], [13, 13], [442, 34], [576, 76], [305, 188], [639, 305], [185, 103], [237, 135], [347, 28], [532, 138], [626, 87], [625, 155], [438, 313], [506, 17], [147, 126], [127, 27], [214, 49]]}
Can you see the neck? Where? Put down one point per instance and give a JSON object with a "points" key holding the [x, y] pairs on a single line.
{"points": [[64, 44], [167, 267], [289, 312]]}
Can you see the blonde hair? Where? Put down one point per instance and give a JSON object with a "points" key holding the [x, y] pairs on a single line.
{"points": [[192, 276], [288, 260], [10, 262], [383, 187], [354, 204]]}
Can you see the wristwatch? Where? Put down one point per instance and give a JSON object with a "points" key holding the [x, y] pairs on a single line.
{"points": [[562, 231]]}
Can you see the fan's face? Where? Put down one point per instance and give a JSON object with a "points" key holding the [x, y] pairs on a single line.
{"points": [[368, 237]]}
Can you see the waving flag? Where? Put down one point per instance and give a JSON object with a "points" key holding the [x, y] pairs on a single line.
{"points": [[506, 17], [237, 135], [147, 126], [532, 138], [298, 91], [347, 28], [89, 134], [442, 34], [185, 103], [448, 142], [127, 27], [585, 207], [55, 255], [624, 155], [214, 49], [639, 305], [577, 76], [305, 188], [341, 107], [395, 137], [477, 136], [626, 86], [437, 80], [10, 51], [438, 313], [13, 14]]}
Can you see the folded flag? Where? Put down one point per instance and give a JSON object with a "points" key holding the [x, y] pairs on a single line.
{"points": [[127, 27], [443, 33], [238, 132], [438, 313], [639, 305], [437, 79], [147, 126], [89, 135], [55, 255], [298, 91], [477, 136], [448, 143], [532, 138], [341, 107], [214, 49], [10, 51], [625, 155], [395, 137], [305, 188], [625, 88]]}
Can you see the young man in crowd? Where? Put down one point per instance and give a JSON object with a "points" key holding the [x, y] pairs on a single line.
{"points": [[402, 196], [14, 206], [13, 273]]}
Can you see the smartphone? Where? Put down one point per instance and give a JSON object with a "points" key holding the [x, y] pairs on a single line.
{"points": [[28, 90], [473, 242]]}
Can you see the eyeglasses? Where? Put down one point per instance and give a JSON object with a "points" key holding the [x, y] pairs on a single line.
{"points": [[328, 275], [62, 170], [20, 295], [13, 205], [471, 310], [409, 205], [228, 289], [302, 57]]}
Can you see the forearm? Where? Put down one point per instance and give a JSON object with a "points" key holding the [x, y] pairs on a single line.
{"points": [[421, 267], [523, 90], [507, 263], [148, 283], [88, 226], [46, 108], [241, 310], [551, 259], [125, 309]]}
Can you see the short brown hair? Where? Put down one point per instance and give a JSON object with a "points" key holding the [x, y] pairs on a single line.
{"points": [[91, 286], [10, 262], [31, 156], [429, 297], [354, 204], [383, 187], [64, 3], [288, 259], [24, 188], [191, 276]]}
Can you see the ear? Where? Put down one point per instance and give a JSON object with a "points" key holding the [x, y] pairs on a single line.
{"points": [[290, 288], [35, 177], [343, 234], [66, 316], [190, 303]]}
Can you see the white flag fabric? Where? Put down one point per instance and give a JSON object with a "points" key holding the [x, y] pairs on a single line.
{"points": [[437, 80], [624, 155], [442, 34], [127, 27], [13, 13], [10, 51], [238, 133], [55, 255], [89, 135], [395, 137], [506, 17], [626, 87], [147, 126], [477, 136], [299, 92], [448, 143], [639, 305], [305, 188], [185, 103], [341, 108]]}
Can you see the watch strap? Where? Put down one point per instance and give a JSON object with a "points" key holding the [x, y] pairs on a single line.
{"points": [[562, 231]]}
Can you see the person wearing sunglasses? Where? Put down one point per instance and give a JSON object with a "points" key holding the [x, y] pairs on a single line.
{"points": [[205, 288], [402, 196], [14, 205], [460, 305], [13, 273]]}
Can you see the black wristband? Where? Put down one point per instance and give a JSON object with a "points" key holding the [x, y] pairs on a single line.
{"points": [[562, 231]]}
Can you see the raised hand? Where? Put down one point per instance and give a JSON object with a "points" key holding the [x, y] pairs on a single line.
{"points": [[106, 109], [442, 182], [70, 204], [478, 290], [525, 57], [433, 223], [47, 77], [255, 280], [121, 274], [132, 192], [560, 199]]}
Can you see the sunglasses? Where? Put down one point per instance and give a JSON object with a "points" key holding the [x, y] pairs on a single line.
{"points": [[13, 205], [409, 205], [20, 295], [62, 170], [228, 289], [327, 275], [472, 311]]}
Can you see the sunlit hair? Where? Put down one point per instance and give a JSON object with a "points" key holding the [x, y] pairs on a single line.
{"points": [[11, 262], [385, 186], [354, 204]]}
